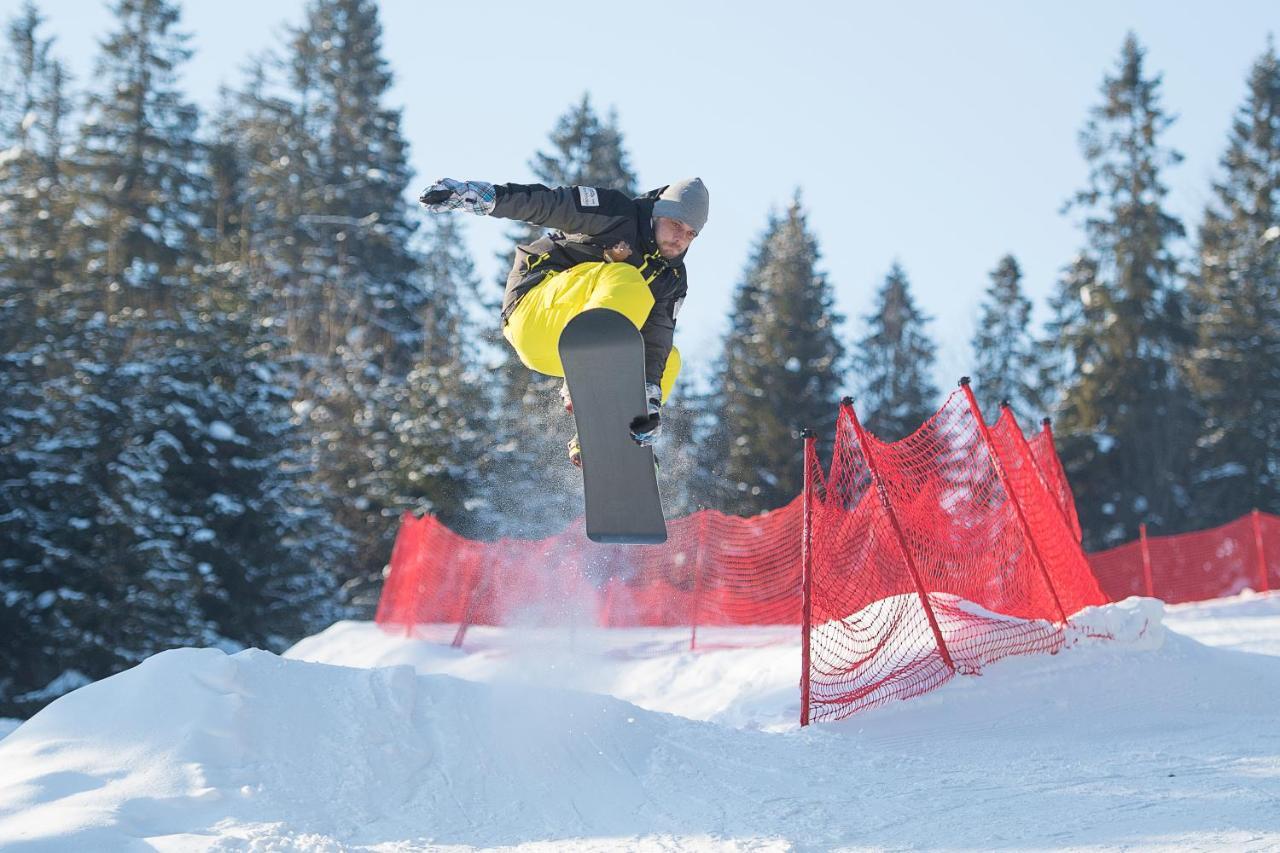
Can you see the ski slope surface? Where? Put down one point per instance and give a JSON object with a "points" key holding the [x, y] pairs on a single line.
{"points": [[581, 739]]}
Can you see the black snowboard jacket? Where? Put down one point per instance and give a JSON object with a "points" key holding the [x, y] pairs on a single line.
{"points": [[588, 221]]}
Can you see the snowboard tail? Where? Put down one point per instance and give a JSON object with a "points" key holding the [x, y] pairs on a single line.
{"points": [[603, 358]]}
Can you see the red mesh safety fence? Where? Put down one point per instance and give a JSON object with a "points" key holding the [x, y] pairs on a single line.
{"points": [[1120, 571], [905, 563], [928, 556], [1049, 510], [1050, 465], [714, 569], [433, 573], [1243, 554]]}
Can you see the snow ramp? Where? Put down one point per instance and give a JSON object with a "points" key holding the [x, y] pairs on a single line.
{"points": [[195, 748], [1149, 741]]}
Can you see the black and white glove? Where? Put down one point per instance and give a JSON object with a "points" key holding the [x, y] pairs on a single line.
{"points": [[646, 428], [447, 194]]}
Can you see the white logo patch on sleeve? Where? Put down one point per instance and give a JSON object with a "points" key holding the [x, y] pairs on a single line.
{"points": [[588, 197]]}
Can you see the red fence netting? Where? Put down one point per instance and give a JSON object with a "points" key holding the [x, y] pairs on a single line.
{"points": [[929, 556], [714, 569], [1242, 554], [904, 564], [1046, 458]]}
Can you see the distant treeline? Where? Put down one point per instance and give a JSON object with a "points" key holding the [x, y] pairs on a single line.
{"points": [[233, 354]]}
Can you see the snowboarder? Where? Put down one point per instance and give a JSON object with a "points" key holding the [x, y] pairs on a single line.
{"points": [[608, 250]]}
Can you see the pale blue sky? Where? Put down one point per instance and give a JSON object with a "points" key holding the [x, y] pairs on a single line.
{"points": [[939, 134]]}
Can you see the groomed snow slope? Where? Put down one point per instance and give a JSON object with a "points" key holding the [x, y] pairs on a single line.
{"points": [[1154, 741], [1247, 622]]}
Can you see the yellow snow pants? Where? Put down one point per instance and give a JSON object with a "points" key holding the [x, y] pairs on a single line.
{"points": [[534, 328]]}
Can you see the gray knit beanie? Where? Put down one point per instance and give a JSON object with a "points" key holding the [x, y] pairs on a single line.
{"points": [[685, 200]]}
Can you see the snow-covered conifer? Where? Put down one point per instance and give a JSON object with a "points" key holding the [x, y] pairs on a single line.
{"points": [[1004, 354], [779, 371], [1235, 301], [894, 363], [1124, 419]]}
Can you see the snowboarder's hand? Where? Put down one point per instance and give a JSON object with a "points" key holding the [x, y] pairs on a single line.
{"points": [[447, 194], [646, 428]]}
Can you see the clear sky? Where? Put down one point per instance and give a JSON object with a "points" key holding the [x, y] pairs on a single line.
{"points": [[939, 134]]}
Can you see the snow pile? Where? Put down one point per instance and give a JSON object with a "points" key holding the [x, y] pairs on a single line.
{"points": [[1106, 745], [740, 677], [1137, 623], [193, 746]]}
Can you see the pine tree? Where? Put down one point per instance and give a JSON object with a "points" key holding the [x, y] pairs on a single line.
{"points": [[439, 417], [894, 363], [1004, 354], [138, 144], [1056, 354], [1125, 422], [779, 371], [138, 175], [586, 151], [356, 223], [38, 478], [260, 172], [33, 115], [1235, 364], [268, 541], [235, 473], [107, 560], [35, 206], [535, 490], [350, 291]]}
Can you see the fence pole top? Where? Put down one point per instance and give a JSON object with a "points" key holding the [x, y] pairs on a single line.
{"points": [[964, 380]]}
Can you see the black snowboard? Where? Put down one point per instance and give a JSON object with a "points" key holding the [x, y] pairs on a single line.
{"points": [[603, 358]]}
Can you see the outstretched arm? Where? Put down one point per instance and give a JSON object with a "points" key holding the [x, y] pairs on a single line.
{"points": [[574, 210]]}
